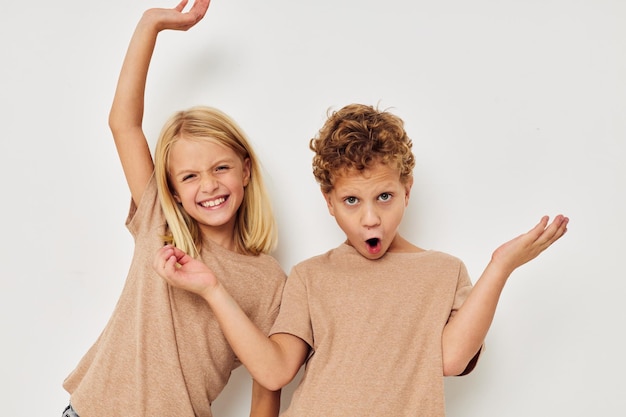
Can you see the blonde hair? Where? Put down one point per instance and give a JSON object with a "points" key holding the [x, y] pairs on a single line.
{"points": [[255, 228], [358, 136]]}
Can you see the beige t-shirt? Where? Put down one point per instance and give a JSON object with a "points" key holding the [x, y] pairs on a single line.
{"points": [[375, 329], [162, 352]]}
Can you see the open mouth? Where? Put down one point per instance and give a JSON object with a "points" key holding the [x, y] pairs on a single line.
{"points": [[372, 242], [373, 245], [213, 203]]}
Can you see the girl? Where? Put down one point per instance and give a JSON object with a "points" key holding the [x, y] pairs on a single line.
{"points": [[162, 352]]}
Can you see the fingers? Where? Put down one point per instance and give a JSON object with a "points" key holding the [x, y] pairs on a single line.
{"points": [[552, 232], [161, 259], [199, 8], [168, 258], [181, 5], [197, 11]]}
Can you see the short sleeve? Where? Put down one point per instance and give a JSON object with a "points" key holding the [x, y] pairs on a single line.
{"points": [[294, 316], [464, 287], [142, 217]]}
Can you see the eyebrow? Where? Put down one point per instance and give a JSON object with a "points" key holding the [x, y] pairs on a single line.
{"points": [[219, 162]]}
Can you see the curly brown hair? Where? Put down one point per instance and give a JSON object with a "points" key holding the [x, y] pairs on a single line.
{"points": [[356, 137]]}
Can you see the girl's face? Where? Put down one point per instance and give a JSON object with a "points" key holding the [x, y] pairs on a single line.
{"points": [[209, 181], [369, 206]]}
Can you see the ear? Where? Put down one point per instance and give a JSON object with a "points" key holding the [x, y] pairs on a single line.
{"points": [[329, 203], [407, 190], [246, 171], [176, 197]]}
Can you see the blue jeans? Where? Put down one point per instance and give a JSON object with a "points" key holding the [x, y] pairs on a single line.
{"points": [[69, 412]]}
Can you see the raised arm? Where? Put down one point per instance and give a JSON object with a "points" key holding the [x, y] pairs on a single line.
{"points": [[126, 115], [273, 362], [465, 332]]}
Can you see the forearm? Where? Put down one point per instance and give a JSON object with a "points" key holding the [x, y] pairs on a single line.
{"points": [[264, 358], [126, 115], [128, 103], [465, 333]]}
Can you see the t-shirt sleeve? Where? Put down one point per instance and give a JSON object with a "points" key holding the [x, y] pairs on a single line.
{"points": [[267, 317], [464, 286], [294, 316], [142, 217]]}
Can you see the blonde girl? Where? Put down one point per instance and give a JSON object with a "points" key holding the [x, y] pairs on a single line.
{"points": [[162, 352]]}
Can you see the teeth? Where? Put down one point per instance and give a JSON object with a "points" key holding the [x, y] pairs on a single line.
{"points": [[213, 203]]}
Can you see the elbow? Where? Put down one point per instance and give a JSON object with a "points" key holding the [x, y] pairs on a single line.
{"points": [[454, 362], [460, 364], [115, 124], [453, 368], [274, 381], [272, 385]]}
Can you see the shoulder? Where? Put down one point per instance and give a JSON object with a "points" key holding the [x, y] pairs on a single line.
{"points": [[325, 258], [268, 263], [237, 264], [443, 257], [439, 260]]}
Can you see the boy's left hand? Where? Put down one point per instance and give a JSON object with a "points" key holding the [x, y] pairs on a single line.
{"points": [[528, 246]]}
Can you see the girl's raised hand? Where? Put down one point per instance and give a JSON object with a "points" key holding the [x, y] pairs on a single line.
{"points": [[528, 246], [175, 18], [182, 271]]}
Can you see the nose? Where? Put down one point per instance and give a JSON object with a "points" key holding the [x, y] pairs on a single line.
{"points": [[208, 184], [370, 217]]}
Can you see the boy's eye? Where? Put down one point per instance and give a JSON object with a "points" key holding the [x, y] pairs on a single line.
{"points": [[351, 201], [384, 197]]}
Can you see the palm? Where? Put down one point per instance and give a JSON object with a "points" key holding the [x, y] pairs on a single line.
{"points": [[528, 246], [176, 19]]}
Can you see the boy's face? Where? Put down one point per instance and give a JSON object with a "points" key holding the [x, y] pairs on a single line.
{"points": [[369, 206]]}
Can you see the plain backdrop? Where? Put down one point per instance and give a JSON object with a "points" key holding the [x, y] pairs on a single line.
{"points": [[516, 108]]}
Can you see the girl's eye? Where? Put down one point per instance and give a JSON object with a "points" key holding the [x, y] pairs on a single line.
{"points": [[384, 197], [187, 177], [351, 201], [222, 168]]}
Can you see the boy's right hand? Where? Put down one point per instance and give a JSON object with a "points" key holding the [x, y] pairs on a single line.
{"points": [[175, 19], [182, 271]]}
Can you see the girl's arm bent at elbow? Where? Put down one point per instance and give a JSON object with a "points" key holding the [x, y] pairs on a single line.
{"points": [[272, 362]]}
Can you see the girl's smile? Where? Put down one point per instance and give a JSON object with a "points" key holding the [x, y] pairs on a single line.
{"points": [[213, 203], [209, 180]]}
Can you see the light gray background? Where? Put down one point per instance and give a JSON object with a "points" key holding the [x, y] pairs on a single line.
{"points": [[516, 108]]}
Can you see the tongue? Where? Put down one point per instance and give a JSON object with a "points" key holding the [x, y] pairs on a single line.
{"points": [[373, 245]]}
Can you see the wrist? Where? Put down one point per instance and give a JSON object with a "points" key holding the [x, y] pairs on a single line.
{"points": [[150, 22], [499, 270], [214, 293]]}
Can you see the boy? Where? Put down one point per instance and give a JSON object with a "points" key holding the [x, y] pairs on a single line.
{"points": [[378, 321]]}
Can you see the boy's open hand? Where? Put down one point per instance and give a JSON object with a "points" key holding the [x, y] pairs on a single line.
{"points": [[182, 271], [175, 19], [528, 246]]}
